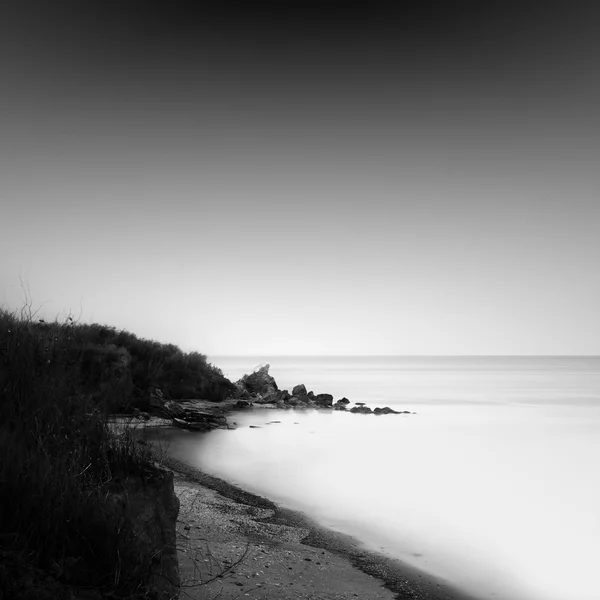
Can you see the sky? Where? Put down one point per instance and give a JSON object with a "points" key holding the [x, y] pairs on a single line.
{"points": [[306, 178]]}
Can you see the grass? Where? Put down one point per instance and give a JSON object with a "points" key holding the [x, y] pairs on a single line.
{"points": [[60, 461]]}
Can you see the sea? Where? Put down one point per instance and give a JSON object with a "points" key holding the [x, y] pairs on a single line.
{"points": [[491, 483]]}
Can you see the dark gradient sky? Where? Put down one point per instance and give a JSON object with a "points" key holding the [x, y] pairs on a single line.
{"points": [[340, 179]]}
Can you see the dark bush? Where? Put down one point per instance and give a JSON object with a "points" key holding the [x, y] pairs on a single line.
{"points": [[58, 454]]}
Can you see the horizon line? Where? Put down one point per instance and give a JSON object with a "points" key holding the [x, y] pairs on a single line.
{"points": [[404, 355]]}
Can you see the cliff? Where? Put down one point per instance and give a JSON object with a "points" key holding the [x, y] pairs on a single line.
{"points": [[147, 509]]}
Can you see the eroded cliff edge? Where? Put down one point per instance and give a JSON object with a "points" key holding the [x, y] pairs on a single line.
{"points": [[148, 507]]}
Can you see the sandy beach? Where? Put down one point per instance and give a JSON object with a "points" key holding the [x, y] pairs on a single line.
{"points": [[233, 544]]}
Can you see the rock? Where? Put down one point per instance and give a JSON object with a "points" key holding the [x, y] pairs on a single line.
{"points": [[254, 426], [343, 401], [138, 414], [299, 390], [258, 399], [156, 402], [324, 400], [157, 405], [360, 403], [284, 395], [195, 414], [274, 397], [303, 399], [242, 404], [258, 382], [173, 409], [196, 426], [386, 410], [365, 410], [339, 406], [155, 397], [240, 391], [206, 417]]}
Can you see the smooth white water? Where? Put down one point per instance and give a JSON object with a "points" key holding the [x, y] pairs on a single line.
{"points": [[493, 485]]}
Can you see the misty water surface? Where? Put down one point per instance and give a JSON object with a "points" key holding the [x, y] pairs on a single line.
{"points": [[502, 499]]}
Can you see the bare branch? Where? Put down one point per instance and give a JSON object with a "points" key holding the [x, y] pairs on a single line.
{"points": [[222, 571]]}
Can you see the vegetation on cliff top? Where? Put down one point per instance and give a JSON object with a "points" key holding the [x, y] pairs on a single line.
{"points": [[58, 455]]}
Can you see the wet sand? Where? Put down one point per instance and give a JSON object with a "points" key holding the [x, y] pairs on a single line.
{"points": [[235, 544]]}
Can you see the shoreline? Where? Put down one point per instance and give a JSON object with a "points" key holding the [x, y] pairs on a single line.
{"points": [[401, 580]]}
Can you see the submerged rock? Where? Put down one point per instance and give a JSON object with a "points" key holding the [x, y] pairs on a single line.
{"points": [[365, 410], [386, 410], [195, 425]]}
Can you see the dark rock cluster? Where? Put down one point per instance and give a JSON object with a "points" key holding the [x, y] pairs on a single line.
{"points": [[257, 385], [198, 415], [260, 388], [256, 389]]}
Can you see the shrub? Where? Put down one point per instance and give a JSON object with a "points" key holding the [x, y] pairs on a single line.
{"points": [[60, 458]]}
